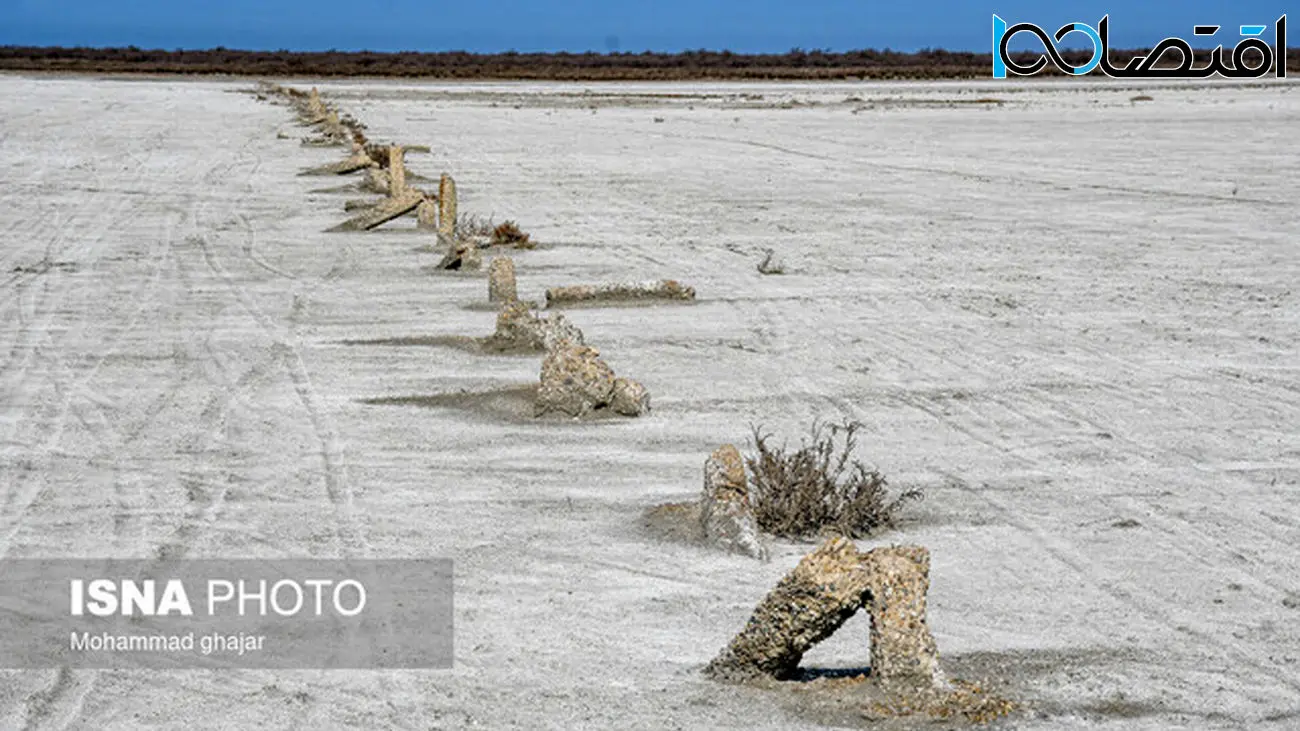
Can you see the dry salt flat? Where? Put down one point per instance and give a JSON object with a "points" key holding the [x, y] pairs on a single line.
{"points": [[1070, 316]]}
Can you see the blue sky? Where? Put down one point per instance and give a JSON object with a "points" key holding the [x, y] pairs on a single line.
{"points": [[581, 25]]}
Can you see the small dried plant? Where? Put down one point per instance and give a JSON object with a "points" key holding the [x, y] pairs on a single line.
{"points": [[819, 487], [509, 234]]}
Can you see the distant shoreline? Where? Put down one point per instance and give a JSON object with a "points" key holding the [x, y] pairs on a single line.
{"points": [[863, 65]]}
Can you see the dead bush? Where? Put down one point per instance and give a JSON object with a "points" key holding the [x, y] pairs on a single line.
{"points": [[819, 487], [509, 234]]}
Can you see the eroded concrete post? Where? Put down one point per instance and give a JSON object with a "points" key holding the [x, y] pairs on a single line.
{"points": [[386, 210], [827, 587], [665, 289], [901, 643], [501, 280], [447, 208], [725, 513], [396, 171]]}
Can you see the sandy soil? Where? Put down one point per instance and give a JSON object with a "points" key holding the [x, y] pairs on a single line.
{"points": [[1072, 318]]}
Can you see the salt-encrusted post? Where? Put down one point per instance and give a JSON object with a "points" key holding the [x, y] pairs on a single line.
{"points": [[447, 208], [501, 280], [901, 643], [725, 513], [396, 171]]}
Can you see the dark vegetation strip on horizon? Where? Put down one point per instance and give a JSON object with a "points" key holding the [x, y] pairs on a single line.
{"points": [[797, 64]]}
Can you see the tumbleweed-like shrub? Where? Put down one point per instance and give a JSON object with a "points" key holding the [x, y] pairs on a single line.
{"points": [[819, 487], [509, 234]]}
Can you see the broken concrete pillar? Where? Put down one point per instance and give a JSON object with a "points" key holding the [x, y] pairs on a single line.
{"points": [[630, 398], [314, 110], [342, 167], [901, 643], [726, 516], [806, 607], [426, 214], [386, 210], [666, 289], [575, 381], [827, 587], [519, 327], [501, 280], [463, 255], [447, 208], [396, 171]]}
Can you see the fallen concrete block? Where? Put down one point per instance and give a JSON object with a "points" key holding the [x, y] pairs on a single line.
{"points": [[630, 398], [666, 289], [342, 167], [575, 381], [901, 643], [357, 204], [827, 587], [501, 280], [387, 210], [726, 516]]}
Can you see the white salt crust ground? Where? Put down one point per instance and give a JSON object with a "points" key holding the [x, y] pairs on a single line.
{"points": [[1071, 317]]}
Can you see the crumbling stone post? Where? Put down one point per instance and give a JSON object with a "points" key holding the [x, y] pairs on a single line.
{"points": [[386, 210], [501, 280], [575, 381], [665, 289], [447, 208], [396, 171], [901, 643], [807, 606], [630, 398], [725, 513], [827, 587]]}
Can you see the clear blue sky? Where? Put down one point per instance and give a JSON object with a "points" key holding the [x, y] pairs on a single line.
{"points": [[581, 25]]}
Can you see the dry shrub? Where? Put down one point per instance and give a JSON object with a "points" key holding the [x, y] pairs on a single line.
{"points": [[509, 234], [819, 487]]}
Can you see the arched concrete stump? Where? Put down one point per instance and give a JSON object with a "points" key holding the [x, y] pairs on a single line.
{"points": [[827, 588]]}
